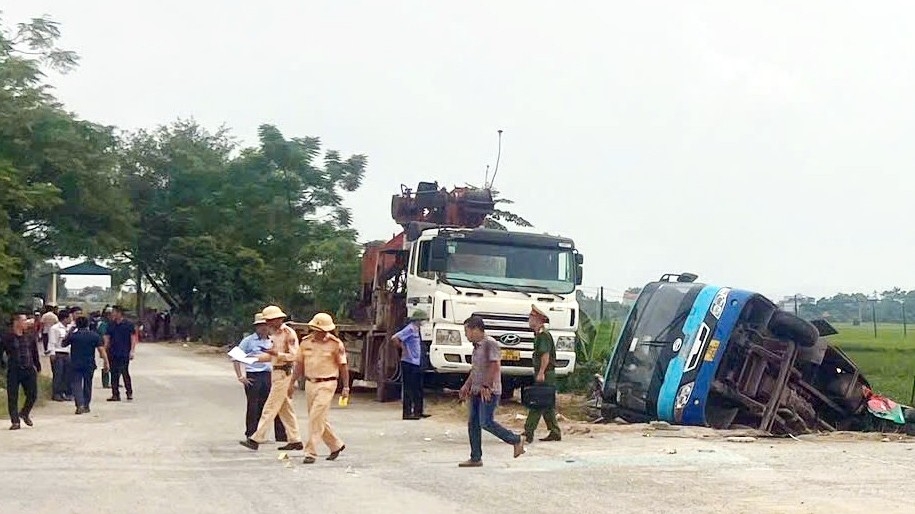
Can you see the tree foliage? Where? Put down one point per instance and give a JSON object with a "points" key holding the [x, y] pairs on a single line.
{"points": [[57, 175], [222, 230]]}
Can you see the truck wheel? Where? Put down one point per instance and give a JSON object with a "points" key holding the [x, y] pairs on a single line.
{"points": [[787, 325], [388, 391], [508, 393]]}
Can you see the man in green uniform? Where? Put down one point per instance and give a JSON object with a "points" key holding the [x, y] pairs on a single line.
{"points": [[544, 360]]}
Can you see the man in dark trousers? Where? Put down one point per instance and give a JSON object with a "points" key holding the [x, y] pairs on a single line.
{"points": [[256, 378], [121, 345], [83, 344], [21, 371], [409, 342], [102, 329], [544, 362]]}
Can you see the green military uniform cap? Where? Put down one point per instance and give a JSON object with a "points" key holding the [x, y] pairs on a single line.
{"points": [[418, 315]]}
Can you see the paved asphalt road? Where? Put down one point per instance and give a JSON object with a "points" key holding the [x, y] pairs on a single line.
{"points": [[174, 449]]}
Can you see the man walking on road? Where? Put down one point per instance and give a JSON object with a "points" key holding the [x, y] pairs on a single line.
{"points": [[484, 387], [121, 345], [256, 378], [21, 371], [322, 361], [279, 403], [83, 344], [544, 361], [411, 369]]}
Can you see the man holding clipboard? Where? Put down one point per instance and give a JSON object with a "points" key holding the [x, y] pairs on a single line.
{"points": [[256, 377]]}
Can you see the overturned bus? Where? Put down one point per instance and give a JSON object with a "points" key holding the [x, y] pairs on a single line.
{"points": [[697, 354]]}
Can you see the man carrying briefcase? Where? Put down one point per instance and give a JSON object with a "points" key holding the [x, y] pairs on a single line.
{"points": [[544, 361]]}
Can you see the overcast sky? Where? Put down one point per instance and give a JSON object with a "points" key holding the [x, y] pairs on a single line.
{"points": [[763, 145]]}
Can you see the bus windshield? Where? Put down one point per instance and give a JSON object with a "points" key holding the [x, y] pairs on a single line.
{"points": [[644, 349]]}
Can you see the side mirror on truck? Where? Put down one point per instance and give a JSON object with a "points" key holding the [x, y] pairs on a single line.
{"points": [[438, 254], [579, 260]]}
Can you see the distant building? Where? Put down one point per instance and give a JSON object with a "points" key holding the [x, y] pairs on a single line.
{"points": [[788, 303], [629, 298]]}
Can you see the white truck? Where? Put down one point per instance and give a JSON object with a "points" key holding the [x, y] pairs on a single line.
{"points": [[446, 265]]}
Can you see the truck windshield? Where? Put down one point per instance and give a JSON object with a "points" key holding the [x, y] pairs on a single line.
{"points": [[497, 266], [646, 343]]}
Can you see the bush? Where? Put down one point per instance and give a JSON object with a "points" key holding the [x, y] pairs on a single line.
{"points": [[579, 381]]}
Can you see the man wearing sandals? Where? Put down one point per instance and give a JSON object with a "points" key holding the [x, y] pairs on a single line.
{"points": [[322, 361], [483, 387]]}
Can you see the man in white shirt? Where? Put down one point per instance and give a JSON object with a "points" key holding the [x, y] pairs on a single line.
{"points": [[60, 358], [48, 320]]}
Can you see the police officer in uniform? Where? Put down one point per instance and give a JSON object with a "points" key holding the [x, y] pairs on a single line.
{"points": [[544, 361], [281, 355]]}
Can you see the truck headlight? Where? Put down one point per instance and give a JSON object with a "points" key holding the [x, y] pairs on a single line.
{"points": [[448, 337], [565, 343]]}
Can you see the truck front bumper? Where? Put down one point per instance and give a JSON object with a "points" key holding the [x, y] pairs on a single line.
{"points": [[457, 359]]}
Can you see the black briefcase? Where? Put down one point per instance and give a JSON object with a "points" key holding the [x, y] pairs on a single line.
{"points": [[539, 396]]}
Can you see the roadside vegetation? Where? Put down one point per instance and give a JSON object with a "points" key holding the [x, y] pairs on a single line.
{"points": [[888, 361]]}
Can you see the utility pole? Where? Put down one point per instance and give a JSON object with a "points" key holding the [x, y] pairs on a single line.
{"points": [[874, 312], [795, 305], [601, 316], [905, 331]]}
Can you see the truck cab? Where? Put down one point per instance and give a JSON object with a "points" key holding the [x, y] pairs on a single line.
{"points": [[454, 273]]}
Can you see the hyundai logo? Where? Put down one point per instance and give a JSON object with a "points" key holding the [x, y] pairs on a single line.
{"points": [[510, 339]]}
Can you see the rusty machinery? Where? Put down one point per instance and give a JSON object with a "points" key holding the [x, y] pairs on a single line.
{"points": [[384, 268]]}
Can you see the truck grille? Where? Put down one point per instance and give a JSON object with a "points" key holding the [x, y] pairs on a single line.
{"points": [[510, 330]]}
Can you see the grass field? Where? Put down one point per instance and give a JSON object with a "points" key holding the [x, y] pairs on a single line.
{"points": [[888, 361]]}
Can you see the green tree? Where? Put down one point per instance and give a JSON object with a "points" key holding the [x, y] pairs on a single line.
{"points": [[57, 175], [224, 230]]}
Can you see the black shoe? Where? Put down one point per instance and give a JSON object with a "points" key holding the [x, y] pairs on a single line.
{"points": [[411, 418], [552, 437], [26, 418], [15, 426], [86, 409], [291, 446], [114, 399], [129, 397], [79, 410], [58, 398], [251, 444], [424, 416], [308, 460], [335, 454], [529, 438]]}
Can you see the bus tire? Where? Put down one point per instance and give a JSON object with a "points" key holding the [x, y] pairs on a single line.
{"points": [[786, 325]]}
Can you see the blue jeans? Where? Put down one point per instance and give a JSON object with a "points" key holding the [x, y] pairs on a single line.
{"points": [[481, 418], [82, 386]]}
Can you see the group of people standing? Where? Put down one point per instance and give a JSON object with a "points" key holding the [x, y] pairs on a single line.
{"points": [[70, 342], [280, 360]]}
